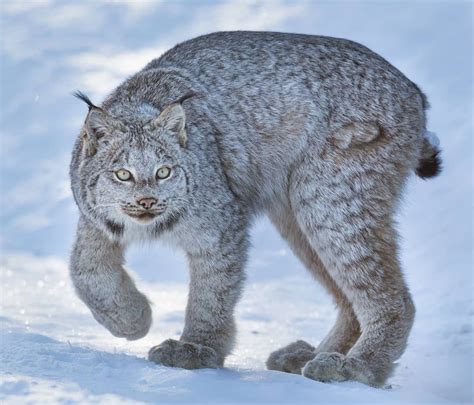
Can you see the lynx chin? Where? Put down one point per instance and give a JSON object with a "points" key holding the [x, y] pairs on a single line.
{"points": [[320, 134]]}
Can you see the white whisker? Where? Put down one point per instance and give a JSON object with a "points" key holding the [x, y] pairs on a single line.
{"points": [[102, 206]]}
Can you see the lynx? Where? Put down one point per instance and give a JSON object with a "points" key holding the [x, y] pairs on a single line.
{"points": [[318, 133]]}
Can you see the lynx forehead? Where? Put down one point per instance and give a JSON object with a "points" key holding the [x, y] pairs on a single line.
{"points": [[317, 133]]}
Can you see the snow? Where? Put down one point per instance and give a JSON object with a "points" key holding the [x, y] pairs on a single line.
{"points": [[51, 348]]}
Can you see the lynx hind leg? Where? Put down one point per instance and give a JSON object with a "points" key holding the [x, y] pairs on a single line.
{"points": [[344, 204], [345, 332]]}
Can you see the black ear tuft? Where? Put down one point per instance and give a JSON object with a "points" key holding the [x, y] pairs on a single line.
{"points": [[81, 96], [189, 94]]}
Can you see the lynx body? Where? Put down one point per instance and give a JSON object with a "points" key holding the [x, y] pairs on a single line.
{"points": [[318, 133]]}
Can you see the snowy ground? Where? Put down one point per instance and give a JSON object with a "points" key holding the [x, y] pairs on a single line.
{"points": [[52, 350]]}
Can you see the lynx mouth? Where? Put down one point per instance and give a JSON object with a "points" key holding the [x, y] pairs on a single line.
{"points": [[144, 217]]}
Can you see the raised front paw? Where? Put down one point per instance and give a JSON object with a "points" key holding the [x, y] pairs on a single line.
{"points": [[174, 353], [126, 315], [291, 358]]}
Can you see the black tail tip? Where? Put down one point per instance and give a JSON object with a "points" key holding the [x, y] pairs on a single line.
{"points": [[429, 167]]}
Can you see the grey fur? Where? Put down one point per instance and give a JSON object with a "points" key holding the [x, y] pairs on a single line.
{"points": [[318, 133]]}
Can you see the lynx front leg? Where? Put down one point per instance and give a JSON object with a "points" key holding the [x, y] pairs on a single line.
{"points": [[215, 286], [105, 287]]}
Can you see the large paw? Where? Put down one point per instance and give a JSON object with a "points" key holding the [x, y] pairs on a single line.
{"points": [[291, 358], [327, 367], [174, 353], [126, 315]]}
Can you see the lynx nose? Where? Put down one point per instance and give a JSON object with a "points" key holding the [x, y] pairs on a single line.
{"points": [[147, 203]]}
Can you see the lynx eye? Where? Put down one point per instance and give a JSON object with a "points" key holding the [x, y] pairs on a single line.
{"points": [[123, 175], [163, 172]]}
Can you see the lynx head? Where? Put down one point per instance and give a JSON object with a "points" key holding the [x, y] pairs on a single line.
{"points": [[133, 171]]}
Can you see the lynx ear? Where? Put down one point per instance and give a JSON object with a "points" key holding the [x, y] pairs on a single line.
{"points": [[98, 124], [173, 119]]}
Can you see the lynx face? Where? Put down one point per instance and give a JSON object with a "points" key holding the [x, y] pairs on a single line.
{"points": [[141, 181], [134, 172]]}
